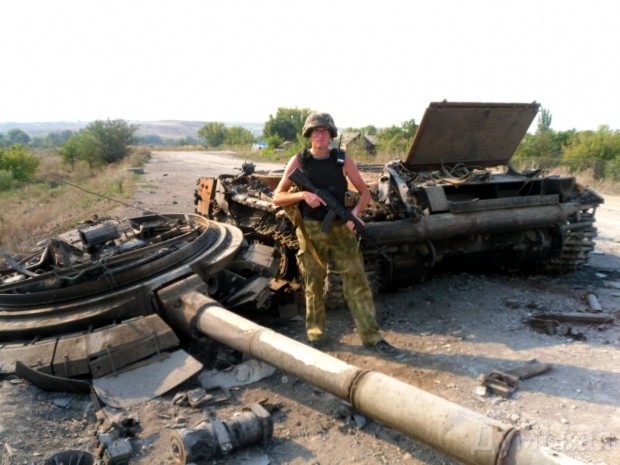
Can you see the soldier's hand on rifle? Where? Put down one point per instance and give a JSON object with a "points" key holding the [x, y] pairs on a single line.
{"points": [[313, 200], [351, 224]]}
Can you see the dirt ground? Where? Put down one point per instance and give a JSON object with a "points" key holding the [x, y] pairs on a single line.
{"points": [[452, 329]]}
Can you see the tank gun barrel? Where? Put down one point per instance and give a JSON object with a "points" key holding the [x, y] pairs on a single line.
{"points": [[469, 436]]}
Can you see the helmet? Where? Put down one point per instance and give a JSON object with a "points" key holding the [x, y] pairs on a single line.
{"points": [[319, 120]]}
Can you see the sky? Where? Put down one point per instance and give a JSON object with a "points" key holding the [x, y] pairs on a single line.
{"points": [[366, 62]]}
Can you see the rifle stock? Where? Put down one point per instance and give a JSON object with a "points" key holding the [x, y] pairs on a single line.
{"points": [[336, 209]]}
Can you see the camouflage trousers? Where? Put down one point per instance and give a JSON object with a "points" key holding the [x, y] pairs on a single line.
{"points": [[339, 248]]}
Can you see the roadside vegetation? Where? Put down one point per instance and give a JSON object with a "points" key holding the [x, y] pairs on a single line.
{"points": [[49, 184], [48, 190]]}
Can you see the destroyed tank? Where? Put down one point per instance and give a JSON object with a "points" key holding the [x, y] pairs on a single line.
{"points": [[454, 201], [88, 302]]}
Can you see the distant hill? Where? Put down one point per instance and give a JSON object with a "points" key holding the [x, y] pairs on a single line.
{"points": [[166, 129], [42, 129]]}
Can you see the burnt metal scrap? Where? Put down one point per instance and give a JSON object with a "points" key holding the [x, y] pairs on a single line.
{"points": [[82, 306], [216, 438], [454, 200], [504, 382]]}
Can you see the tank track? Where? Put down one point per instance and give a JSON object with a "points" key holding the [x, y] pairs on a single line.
{"points": [[578, 243], [263, 222]]}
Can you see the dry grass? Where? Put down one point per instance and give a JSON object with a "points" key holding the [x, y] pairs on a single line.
{"points": [[53, 203]]}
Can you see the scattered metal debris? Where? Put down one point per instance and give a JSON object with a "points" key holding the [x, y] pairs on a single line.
{"points": [[504, 383], [199, 397], [593, 302], [245, 373], [49, 382], [114, 450], [347, 412], [575, 317], [111, 418], [554, 323], [216, 438]]}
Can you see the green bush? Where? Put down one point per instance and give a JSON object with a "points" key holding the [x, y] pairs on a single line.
{"points": [[7, 182], [100, 143], [612, 170], [19, 161]]}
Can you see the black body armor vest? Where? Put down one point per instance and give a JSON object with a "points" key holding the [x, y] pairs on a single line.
{"points": [[325, 173]]}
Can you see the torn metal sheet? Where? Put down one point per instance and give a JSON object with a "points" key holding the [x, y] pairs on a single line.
{"points": [[146, 381], [247, 372], [49, 382]]}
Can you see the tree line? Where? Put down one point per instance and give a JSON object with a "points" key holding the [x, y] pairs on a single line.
{"points": [[577, 151], [104, 142], [283, 131]]}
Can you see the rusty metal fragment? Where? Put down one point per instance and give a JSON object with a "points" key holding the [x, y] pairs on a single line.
{"points": [[504, 383], [114, 450], [216, 438], [49, 382], [575, 317]]}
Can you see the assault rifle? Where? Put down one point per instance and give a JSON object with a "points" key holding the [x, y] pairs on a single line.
{"points": [[336, 209]]}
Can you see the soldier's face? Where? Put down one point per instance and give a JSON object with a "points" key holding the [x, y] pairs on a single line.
{"points": [[320, 137]]}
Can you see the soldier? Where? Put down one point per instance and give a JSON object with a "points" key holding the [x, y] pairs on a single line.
{"points": [[329, 169]]}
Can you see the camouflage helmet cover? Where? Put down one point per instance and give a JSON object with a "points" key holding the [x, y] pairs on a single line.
{"points": [[319, 120]]}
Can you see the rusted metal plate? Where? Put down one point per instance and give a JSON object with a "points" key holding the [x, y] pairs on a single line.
{"points": [[204, 195], [37, 355], [112, 348], [476, 134], [92, 354]]}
